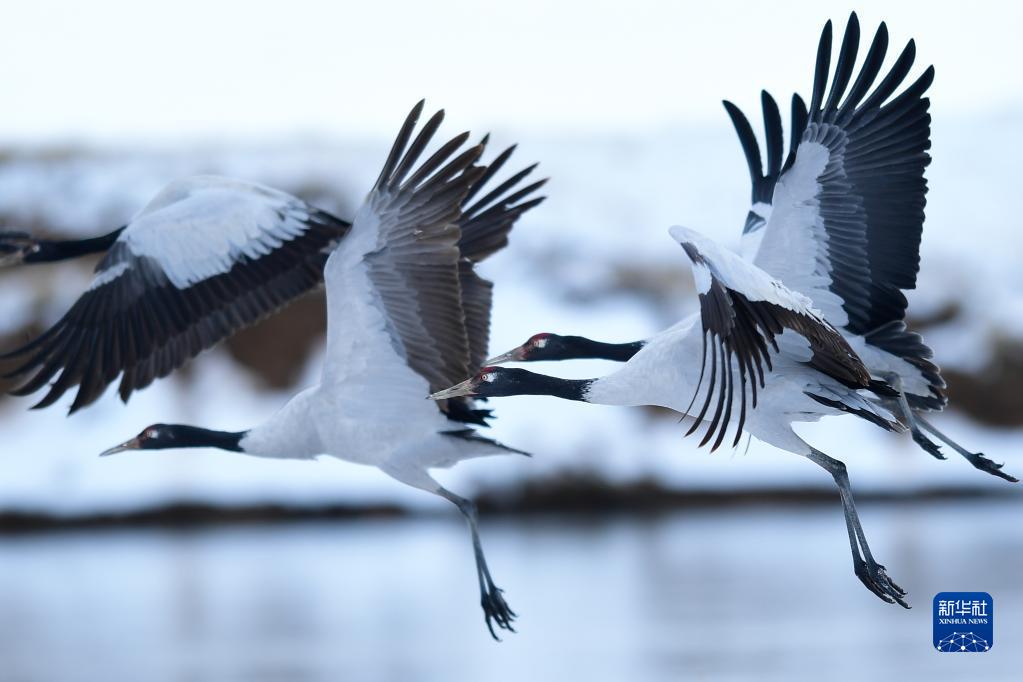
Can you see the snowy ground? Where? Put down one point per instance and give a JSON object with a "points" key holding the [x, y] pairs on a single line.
{"points": [[611, 200]]}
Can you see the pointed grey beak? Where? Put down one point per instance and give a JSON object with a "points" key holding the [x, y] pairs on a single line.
{"points": [[467, 387], [132, 444], [514, 355]]}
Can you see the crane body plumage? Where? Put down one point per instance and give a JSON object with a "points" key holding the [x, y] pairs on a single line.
{"points": [[662, 374]]}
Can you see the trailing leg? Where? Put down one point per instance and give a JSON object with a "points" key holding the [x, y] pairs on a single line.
{"points": [[870, 572], [495, 609], [977, 459], [900, 406]]}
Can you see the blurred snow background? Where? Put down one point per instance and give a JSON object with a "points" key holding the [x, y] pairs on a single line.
{"points": [[621, 109], [107, 101]]}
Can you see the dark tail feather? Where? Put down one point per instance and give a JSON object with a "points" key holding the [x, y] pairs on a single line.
{"points": [[475, 437]]}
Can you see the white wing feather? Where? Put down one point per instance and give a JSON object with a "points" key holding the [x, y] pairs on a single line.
{"points": [[199, 227]]}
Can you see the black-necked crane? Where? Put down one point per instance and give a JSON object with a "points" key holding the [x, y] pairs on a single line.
{"points": [[866, 262], [407, 314], [810, 321], [206, 257]]}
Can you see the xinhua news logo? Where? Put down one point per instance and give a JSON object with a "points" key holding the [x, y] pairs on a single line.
{"points": [[963, 622]]}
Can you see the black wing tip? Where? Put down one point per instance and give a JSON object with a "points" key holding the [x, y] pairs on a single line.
{"points": [[502, 197], [16, 353], [436, 119], [492, 169], [926, 78], [825, 39], [528, 205], [52, 396], [736, 115], [461, 137], [750, 147], [774, 135], [404, 155], [527, 190], [415, 112], [486, 223]]}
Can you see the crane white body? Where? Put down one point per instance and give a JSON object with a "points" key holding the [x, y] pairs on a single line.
{"points": [[664, 374]]}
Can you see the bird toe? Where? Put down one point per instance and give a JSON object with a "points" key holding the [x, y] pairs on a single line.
{"points": [[876, 579], [928, 445], [496, 611], [980, 461]]}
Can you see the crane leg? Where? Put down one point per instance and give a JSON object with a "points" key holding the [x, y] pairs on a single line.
{"points": [[977, 459], [495, 608], [870, 573], [918, 424], [911, 419]]}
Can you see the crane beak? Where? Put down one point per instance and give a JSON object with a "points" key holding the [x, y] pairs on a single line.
{"points": [[132, 444], [514, 355], [467, 387]]}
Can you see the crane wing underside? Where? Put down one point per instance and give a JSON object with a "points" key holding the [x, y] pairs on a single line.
{"points": [[841, 219], [407, 284]]}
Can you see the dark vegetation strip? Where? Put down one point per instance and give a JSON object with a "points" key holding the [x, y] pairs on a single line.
{"points": [[582, 496]]}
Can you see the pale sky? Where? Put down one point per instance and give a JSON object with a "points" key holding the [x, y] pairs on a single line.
{"points": [[108, 70]]}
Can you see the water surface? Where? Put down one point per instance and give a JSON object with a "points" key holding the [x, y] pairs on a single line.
{"points": [[753, 592]]}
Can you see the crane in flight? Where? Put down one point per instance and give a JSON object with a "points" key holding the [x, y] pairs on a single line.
{"points": [[810, 320], [407, 313]]}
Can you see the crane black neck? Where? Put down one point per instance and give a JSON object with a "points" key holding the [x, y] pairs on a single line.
{"points": [[55, 250], [509, 381], [580, 348], [163, 436], [566, 389]]}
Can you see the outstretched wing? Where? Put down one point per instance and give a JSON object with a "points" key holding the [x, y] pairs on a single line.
{"points": [[485, 225], [395, 325], [407, 315], [206, 257], [847, 213], [743, 310]]}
